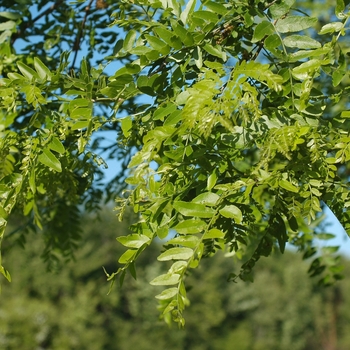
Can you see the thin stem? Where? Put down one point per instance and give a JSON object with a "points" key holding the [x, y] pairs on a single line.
{"points": [[77, 42]]}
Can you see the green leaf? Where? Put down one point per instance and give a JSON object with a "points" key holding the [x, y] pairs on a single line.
{"points": [[81, 124], [213, 233], [56, 145], [325, 236], [178, 266], [330, 250], [197, 56], [301, 42], [185, 241], [206, 15], [8, 25], [169, 37], [184, 35], [272, 42], [49, 159], [81, 113], [166, 280], [306, 69], [295, 24], [176, 254], [279, 10], [135, 241], [186, 13], [215, 51], [192, 209], [207, 198], [330, 28], [167, 294], [10, 15], [129, 40], [164, 111], [43, 71], [127, 256], [32, 182], [126, 125], [288, 186], [339, 9], [216, 7], [190, 226], [261, 30], [5, 273], [28, 72], [211, 182], [232, 212], [158, 44]]}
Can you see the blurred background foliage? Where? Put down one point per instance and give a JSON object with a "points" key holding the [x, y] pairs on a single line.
{"points": [[70, 308]]}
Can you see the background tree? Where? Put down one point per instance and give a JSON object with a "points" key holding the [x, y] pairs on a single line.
{"points": [[70, 309], [240, 138]]}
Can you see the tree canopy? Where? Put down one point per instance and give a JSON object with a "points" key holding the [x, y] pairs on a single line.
{"points": [[231, 122]]}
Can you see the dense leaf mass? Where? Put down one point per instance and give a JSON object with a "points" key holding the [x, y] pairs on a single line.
{"points": [[232, 121]]}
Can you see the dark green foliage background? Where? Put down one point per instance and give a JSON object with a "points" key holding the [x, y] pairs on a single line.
{"points": [[70, 309]]}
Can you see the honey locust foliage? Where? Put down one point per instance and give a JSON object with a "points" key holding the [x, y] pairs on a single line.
{"points": [[241, 136]]}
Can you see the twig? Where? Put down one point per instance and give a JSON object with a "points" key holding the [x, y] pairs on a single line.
{"points": [[25, 25], [77, 42]]}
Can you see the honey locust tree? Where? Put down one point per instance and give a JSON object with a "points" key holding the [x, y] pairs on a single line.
{"points": [[231, 122]]}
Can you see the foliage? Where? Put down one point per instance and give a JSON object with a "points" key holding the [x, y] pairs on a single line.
{"points": [[239, 140]]}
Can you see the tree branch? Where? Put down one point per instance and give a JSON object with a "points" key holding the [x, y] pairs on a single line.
{"points": [[77, 42], [25, 25]]}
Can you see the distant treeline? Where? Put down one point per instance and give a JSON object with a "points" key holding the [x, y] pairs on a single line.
{"points": [[70, 309]]}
